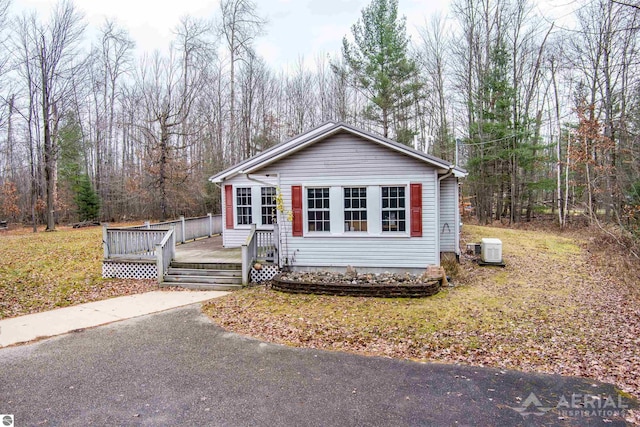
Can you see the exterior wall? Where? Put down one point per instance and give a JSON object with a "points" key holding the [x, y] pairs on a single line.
{"points": [[449, 222], [346, 160]]}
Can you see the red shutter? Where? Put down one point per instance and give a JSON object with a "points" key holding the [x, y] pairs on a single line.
{"points": [[416, 210], [228, 205], [296, 207]]}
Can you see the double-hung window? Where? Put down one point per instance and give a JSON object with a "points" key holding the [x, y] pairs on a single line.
{"points": [[355, 209], [243, 205], [268, 196], [394, 215], [318, 213]]}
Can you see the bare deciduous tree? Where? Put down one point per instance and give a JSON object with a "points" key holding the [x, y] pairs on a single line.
{"points": [[240, 25]]}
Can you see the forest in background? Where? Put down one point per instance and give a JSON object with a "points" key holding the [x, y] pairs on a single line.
{"points": [[545, 117]]}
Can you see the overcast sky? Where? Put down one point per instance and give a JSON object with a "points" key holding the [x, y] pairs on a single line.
{"points": [[296, 28]]}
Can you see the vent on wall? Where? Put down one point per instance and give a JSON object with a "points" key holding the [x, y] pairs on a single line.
{"points": [[491, 250]]}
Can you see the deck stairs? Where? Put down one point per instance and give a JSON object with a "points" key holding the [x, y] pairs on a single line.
{"points": [[204, 276]]}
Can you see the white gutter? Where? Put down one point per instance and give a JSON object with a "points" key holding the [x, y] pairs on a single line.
{"points": [[268, 184]]}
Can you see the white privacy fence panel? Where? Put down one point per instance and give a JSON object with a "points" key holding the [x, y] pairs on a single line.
{"points": [[197, 227]]}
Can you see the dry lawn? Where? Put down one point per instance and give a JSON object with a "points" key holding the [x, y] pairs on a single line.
{"points": [[41, 271], [562, 305]]}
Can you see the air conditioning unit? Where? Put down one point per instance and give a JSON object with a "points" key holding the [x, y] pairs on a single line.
{"points": [[491, 251]]}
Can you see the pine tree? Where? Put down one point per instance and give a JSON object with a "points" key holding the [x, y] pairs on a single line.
{"points": [[491, 136], [381, 67], [86, 199]]}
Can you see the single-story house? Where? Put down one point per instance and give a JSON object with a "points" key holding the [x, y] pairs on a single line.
{"points": [[343, 197]]}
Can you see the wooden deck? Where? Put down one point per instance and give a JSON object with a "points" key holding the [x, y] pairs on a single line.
{"points": [[207, 250]]}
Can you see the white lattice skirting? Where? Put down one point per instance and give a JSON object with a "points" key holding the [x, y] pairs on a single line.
{"points": [[129, 270], [265, 273]]}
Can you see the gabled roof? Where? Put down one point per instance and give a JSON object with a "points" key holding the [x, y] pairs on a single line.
{"points": [[319, 133]]}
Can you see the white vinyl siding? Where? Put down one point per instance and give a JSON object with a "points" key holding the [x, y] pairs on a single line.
{"points": [[449, 222]]}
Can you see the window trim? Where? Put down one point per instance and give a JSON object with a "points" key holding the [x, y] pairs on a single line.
{"points": [[407, 218], [305, 209], [236, 206], [273, 217], [351, 209]]}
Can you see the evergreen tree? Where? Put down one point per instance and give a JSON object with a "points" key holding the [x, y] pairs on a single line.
{"points": [[86, 199], [75, 185], [490, 137], [381, 67]]}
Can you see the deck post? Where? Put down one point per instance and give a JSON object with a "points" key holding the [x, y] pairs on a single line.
{"points": [[245, 264], [147, 224], [210, 224], [105, 244], [182, 224], [159, 263]]}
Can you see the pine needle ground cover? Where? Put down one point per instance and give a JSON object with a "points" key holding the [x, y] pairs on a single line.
{"points": [[42, 271], [555, 308]]}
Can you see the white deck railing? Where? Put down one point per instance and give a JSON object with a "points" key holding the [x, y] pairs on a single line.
{"points": [[157, 242], [165, 252], [131, 243], [260, 245], [139, 241], [189, 228]]}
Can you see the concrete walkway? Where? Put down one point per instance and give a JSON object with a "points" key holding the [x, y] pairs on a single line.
{"points": [[63, 320]]}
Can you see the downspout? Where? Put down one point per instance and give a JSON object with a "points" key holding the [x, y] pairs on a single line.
{"points": [[445, 176]]}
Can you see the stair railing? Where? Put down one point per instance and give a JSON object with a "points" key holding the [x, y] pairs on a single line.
{"points": [[249, 254], [165, 252]]}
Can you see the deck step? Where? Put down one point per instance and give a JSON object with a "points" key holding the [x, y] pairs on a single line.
{"points": [[203, 279], [209, 276], [203, 286], [173, 271], [207, 265]]}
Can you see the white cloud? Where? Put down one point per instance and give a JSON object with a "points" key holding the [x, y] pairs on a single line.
{"points": [[269, 51], [300, 28]]}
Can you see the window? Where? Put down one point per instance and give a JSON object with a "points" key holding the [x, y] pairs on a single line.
{"points": [[318, 218], [243, 206], [268, 205], [355, 209], [393, 209]]}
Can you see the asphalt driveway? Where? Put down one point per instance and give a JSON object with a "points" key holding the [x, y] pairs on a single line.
{"points": [[176, 368]]}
